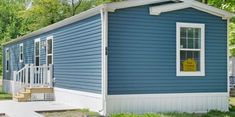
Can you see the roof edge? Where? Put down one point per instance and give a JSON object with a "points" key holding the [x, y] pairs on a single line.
{"points": [[114, 6], [157, 10]]}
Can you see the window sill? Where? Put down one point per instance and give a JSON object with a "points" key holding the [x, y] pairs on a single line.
{"points": [[190, 74]]}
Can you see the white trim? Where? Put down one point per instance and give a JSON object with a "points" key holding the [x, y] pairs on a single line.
{"points": [[131, 3], [156, 10], [202, 50], [120, 5], [104, 19], [21, 52], [175, 102], [7, 59], [209, 9], [169, 95], [37, 40], [52, 51], [228, 81], [79, 92], [79, 99]]}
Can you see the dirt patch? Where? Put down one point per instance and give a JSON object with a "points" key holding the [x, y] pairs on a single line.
{"points": [[70, 113]]}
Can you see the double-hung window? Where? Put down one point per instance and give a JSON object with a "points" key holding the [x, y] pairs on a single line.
{"points": [[37, 52], [7, 59], [21, 53], [190, 45], [49, 50]]}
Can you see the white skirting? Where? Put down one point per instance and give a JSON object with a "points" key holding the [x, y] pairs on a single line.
{"points": [[7, 86], [83, 100], [187, 102]]}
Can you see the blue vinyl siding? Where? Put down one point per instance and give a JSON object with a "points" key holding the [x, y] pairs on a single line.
{"points": [[142, 52], [77, 55], [14, 64]]}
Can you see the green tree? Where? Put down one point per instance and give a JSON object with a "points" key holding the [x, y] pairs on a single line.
{"points": [[42, 13], [228, 5], [10, 23]]}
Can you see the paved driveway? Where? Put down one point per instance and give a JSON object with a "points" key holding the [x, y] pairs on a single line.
{"points": [[27, 109]]}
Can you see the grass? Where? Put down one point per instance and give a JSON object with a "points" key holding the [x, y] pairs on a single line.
{"points": [[212, 113], [4, 96], [70, 113], [84, 112]]}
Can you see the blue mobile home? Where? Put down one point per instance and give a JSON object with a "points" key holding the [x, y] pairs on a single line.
{"points": [[132, 56]]}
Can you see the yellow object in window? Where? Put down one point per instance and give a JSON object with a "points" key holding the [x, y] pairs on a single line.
{"points": [[189, 65]]}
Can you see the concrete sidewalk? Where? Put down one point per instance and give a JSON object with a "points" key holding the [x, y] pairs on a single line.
{"points": [[27, 109]]}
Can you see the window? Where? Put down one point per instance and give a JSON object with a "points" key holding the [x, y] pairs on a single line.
{"points": [[7, 59], [37, 52], [190, 49], [49, 50], [21, 53]]}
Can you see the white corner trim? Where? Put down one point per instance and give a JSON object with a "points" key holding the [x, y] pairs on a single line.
{"points": [[156, 10], [104, 67], [228, 81], [202, 49], [177, 102]]}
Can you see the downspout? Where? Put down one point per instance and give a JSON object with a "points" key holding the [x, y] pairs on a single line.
{"points": [[104, 57]]}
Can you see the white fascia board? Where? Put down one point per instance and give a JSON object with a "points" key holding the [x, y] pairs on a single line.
{"points": [[210, 9], [156, 10]]}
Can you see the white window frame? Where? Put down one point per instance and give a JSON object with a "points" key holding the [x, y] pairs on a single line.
{"points": [[52, 52], [21, 53], [35, 41], [202, 49], [7, 59]]}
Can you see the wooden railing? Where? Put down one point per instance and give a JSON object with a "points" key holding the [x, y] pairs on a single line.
{"points": [[32, 76]]}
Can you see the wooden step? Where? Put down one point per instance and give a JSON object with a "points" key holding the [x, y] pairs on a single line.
{"points": [[40, 90], [27, 93], [232, 92], [20, 98]]}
